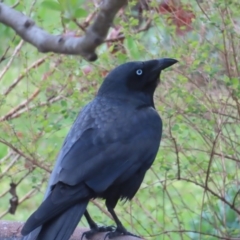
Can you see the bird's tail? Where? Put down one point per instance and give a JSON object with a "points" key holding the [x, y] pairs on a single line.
{"points": [[59, 214], [62, 227]]}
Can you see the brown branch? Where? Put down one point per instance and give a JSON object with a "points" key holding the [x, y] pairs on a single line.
{"points": [[3, 57], [20, 77], [25, 103], [235, 197], [147, 212], [29, 108], [11, 230], [16, 51], [9, 166], [28, 195], [101, 208], [176, 150], [86, 23], [206, 188], [15, 4], [145, 27], [197, 232], [18, 182], [20, 106], [209, 152], [22, 154], [45, 42], [122, 37], [211, 158]]}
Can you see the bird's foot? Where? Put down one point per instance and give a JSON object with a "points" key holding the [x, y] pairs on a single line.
{"points": [[89, 234], [118, 233]]}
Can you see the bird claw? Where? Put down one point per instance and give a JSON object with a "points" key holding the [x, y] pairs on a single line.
{"points": [[106, 229], [118, 233], [89, 234]]}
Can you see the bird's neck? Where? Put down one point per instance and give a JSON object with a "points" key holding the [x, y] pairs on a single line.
{"points": [[136, 102]]}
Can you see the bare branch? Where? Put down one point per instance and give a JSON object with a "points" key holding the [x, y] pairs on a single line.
{"points": [[29, 108], [197, 232], [45, 42], [16, 51], [211, 157], [21, 76], [11, 230], [9, 166], [176, 149], [27, 101], [206, 188], [22, 154]]}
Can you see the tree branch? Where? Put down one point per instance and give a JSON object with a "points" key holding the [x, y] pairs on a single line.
{"points": [[11, 231], [85, 46]]}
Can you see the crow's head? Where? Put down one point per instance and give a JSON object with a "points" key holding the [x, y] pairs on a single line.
{"points": [[135, 80]]}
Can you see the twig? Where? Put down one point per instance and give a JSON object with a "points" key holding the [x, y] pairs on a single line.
{"points": [[145, 27], [122, 37], [211, 157], [89, 19], [235, 197], [33, 161], [197, 232], [176, 150], [79, 25], [26, 102], [3, 57], [19, 181], [9, 166], [25, 197], [20, 77], [101, 208], [16, 51], [213, 193], [156, 222], [27, 109], [215, 153], [86, 23], [10, 153], [15, 4], [20, 106]]}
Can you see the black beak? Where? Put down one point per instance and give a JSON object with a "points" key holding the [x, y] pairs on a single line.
{"points": [[157, 65], [165, 63]]}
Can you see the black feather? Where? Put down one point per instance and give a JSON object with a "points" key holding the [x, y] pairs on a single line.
{"points": [[111, 145]]}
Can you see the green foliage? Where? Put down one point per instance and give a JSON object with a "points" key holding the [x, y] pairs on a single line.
{"points": [[69, 9], [217, 217], [191, 190]]}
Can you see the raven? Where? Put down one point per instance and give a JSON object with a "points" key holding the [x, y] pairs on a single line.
{"points": [[111, 145]]}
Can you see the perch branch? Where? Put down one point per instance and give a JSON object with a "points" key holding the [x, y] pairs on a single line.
{"points": [[85, 46], [11, 231]]}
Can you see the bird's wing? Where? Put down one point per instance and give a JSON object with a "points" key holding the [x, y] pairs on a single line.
{"points": [[105, 143]]}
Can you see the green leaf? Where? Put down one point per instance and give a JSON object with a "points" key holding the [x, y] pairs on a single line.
{"points": [[132, 47], [52, 5], [175, 127], [62, 2], [80, 13], [235, 83], [64, 103]]}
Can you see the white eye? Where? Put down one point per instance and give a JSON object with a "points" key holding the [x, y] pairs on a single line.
{"points": [[139, 72]]}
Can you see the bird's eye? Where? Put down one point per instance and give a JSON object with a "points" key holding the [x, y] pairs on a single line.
{"points": [[139, 72]]}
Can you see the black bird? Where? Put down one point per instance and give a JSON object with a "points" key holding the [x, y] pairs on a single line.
{"points": [[111, 145]]}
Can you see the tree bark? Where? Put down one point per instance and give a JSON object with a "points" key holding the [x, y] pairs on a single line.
{"points": [[85, 46], [11, 231]]}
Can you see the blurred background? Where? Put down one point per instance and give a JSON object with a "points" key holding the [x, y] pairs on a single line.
{"points": [[192, 190]]}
